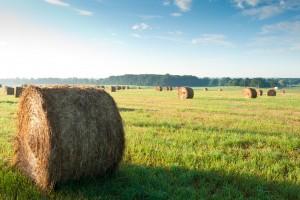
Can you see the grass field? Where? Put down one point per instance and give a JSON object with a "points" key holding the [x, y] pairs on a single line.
{"points": [[215, 146]]}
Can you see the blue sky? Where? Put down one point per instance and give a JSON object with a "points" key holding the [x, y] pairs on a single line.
{"points": [[99, 38]]}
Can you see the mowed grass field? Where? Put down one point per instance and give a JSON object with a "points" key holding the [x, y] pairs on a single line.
{"points": [[218, 145]]}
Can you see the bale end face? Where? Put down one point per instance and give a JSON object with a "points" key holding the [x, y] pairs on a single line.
{"points": [[185, 93], [271, 92], [67, 133], [249, 93]]}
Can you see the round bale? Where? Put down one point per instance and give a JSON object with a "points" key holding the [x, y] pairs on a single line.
{"points": [[249, 93], [282, 91], [112, 88], [185, 93], [259, 92], [67, 133], [158, 88], [205, 89], [271, 92]]}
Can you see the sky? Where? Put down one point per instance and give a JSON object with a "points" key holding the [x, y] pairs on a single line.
{"points": [[101, 38]]}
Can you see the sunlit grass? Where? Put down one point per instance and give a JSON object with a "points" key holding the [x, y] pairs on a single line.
{"points": [[215, 146]]}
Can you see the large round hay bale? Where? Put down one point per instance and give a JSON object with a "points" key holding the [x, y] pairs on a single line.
{"points": [[112, 88], [18, 91], [259, 92], [67, 133], [166, 88], [282, 91], [185, 93], [205, 89], [249, 93], [9, 90], [158, 88], [271, 92]]}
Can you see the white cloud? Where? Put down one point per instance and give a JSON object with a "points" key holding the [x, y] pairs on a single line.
{"points": [[166, 3], [84, 12], [183, 5], [263, 12], [140, 27], [136, 35], [58, 3], [212, 40], [288, 27], [262, 9], [176, 14]]}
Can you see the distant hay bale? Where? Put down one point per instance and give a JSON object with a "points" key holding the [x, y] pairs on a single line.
{"points": [[249, 93], [127, 87], [185, 93], [118, 87], [24, 85], [271, 92], [138, 88], [18, 91], [220, 90], [158, 88], [170, 88], [0, 85], [112, 89], [282, 91], [9, 90], [259, 92], [123, 87], [205, 89], [67, 133], [166, 88]]}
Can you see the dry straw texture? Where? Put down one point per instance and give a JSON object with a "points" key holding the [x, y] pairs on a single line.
{"points": [[18, 91], [249, 93], [271, 92], [259, 92], [185, 93], [67, 133], [158, 88], [9, 90]]}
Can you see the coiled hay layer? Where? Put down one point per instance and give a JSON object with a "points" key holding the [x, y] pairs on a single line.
{"points": [[271, 92], [185, 93], [249, 93], [67, 133]]}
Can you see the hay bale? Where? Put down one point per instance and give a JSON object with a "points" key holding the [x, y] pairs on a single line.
{"points": [[271, 92], [158, 88], [127, 87], [9, 90], [282, 91], [66, 134], [112, 89], [185, 93], [18, 91], [0, 85], [220, 90], [249, 93], [166, 88], [259, 92], [205, 89], [170, 88]]}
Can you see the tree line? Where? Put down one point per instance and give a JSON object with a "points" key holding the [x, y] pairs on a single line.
{"points": [[163, 80]]}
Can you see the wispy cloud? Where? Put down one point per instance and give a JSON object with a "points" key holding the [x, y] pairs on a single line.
{"points": [[288, 27], [140, 27], [146, 17], [176, 14], [58, 3], [183, 5], [135, 35], [166, 2], [282, 37], [212, 40], [84, 12], [263, 9]]}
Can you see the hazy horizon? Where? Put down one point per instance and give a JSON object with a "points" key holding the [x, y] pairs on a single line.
{"points": [[102, 38]]}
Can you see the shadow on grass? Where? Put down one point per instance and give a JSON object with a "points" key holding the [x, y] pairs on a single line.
{"points": [[140, 182], [126, 109], [9, 102]]}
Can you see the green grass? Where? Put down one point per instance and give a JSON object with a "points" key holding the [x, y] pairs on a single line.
{"points": [[215, 146]]}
